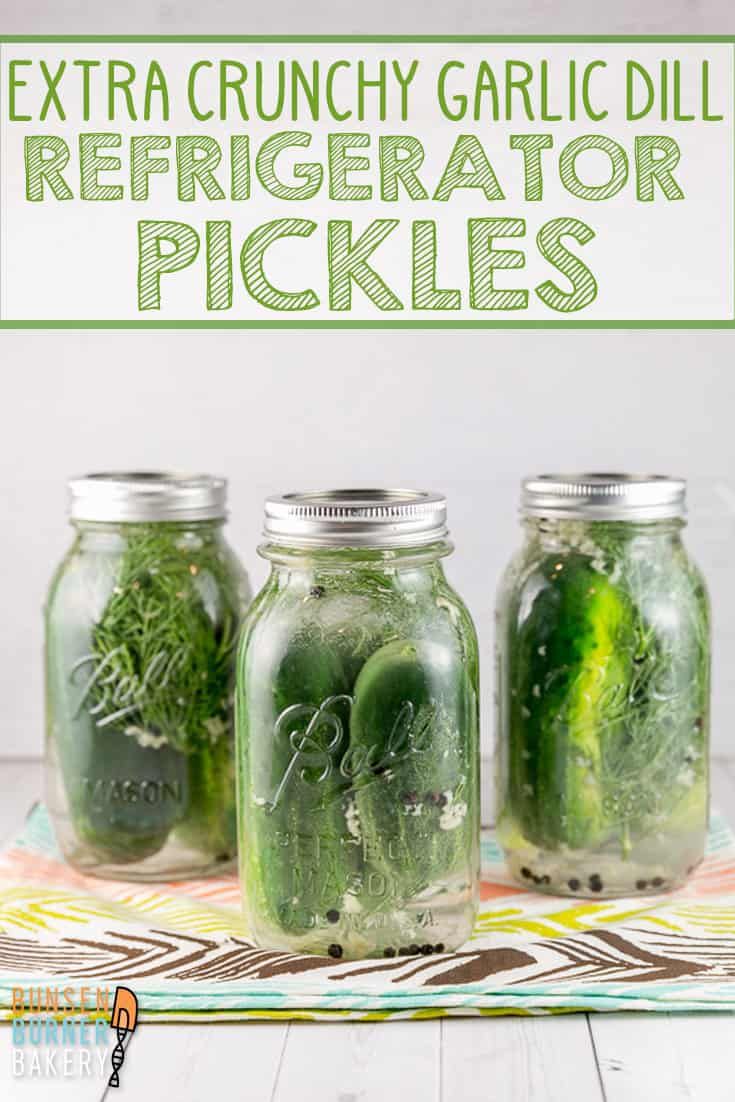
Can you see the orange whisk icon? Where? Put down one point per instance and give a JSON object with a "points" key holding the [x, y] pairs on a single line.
{"points": [[123, 1020]]}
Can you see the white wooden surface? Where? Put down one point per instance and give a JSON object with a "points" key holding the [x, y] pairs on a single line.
{"points": [[575, 1058]]}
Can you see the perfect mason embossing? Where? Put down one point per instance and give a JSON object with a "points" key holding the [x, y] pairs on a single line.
{"points": [[123, 790]]}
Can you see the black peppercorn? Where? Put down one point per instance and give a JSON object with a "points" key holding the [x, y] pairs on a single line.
{"points": [[427, 949], [526, 873], [333, 916], [641, 884], [574, 884], [335, 950], [403, 951], [316, 591], [595, 883], [438, 799], [439, 947], [657, 881], [389, 951], [414, 950]]}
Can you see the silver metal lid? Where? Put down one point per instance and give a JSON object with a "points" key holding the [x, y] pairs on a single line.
{"points": [[604, 496], [139, 496], [356, 518]]}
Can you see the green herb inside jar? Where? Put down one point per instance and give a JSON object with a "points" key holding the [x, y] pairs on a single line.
{"points": [[141, 631]]}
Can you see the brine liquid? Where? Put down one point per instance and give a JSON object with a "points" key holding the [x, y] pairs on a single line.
{"points": [[658, 862], [439, 919]]}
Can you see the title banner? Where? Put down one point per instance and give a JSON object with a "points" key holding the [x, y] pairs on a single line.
{"points": [[364, 182]]}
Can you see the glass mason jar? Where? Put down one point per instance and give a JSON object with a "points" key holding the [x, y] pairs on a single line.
{"points": [[357, 725], [142, 620], [603, 657]]}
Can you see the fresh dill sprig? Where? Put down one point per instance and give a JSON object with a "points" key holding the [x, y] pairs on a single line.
{"points": [[165, 641]]}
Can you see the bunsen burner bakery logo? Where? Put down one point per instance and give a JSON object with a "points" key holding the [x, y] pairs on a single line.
{"points": [[65, 1032], [124, 1020]]}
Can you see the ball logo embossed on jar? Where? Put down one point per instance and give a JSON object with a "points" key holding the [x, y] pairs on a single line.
{"points": [[312, 745], [110, 692], [320, 736]]}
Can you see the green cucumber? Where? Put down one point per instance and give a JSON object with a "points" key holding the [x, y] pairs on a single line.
{"points": [[414, 780], [210, 825], [298, 733], [570, 676], [124, 798]]}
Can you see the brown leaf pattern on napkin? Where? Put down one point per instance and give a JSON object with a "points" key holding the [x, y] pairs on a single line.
{"points": [[631, 955]]}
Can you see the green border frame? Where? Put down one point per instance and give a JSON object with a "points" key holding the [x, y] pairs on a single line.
{"points": [[379, 323]]}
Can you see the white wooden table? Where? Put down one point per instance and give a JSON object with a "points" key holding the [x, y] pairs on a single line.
{"points": [[572, 1058]]}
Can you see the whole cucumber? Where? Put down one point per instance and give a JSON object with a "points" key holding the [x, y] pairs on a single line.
{"points": [[414, 780], [297, 855], [124, 798], [210, 822], [570, 674]]}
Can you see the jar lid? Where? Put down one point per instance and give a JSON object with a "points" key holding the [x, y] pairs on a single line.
{"points": [[139, 496], [356, 518], [604, 496]]}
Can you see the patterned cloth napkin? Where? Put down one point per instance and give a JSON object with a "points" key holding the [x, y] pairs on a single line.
{"points": [[183, 949]]}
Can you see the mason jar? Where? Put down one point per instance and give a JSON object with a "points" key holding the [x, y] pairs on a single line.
{"points": [[142, 620], [357, 725], [603, 689]]}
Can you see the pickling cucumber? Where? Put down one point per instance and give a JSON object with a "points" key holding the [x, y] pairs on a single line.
{"points": [[210, 825], [411, 755], [298, 732], [124, 798], [570, 674]]}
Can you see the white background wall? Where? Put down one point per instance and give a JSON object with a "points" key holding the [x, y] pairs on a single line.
{"points": [[464, 412]]}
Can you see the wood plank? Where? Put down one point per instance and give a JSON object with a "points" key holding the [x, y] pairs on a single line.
{"points": [[544, 1059], [185, 1061], [23, 1082], [365, 1061], [664, 1057]]}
